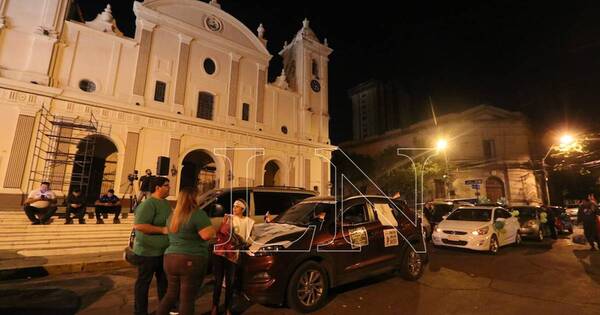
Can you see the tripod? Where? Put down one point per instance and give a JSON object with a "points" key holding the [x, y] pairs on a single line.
{"points": [[133, 202]]}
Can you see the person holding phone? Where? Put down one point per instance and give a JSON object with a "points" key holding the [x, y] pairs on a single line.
{"points": [[40, 205]]}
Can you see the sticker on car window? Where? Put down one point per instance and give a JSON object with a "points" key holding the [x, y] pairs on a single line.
{"points": [[358, 237], [390, 237]]}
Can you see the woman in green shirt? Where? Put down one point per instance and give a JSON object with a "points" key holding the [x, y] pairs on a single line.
{"points": [[187, 255]]}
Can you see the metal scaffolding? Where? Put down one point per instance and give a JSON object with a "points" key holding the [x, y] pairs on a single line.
{"points": [[64, 151]]}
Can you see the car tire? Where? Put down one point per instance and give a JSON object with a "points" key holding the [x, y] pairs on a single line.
{"points": [[494, 245], [311, 279], [412, 265], [540, 236], [517, 240]]}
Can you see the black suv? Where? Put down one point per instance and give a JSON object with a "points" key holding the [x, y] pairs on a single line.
{"points": [[322, 243]]}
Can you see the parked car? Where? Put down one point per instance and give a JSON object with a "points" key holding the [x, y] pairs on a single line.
{"points": [[322, 243], [260, 200], [531, 221], [572, 211], [440, 210], [478, 228], [562, 222]]}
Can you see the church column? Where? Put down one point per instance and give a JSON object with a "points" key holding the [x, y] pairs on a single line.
{"points": [[131, 148], [260, 95], [19, 152], [145, 42], [174, 148], [233, 83], [307, 174], [292, 174], [324, 189], [259, 172], [182, 68]]}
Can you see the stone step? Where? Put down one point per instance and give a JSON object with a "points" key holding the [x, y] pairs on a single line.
{"points": [[71, 250], [66, 244]]}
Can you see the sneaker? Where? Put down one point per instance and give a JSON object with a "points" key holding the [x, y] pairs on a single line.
{"points": [[36, 223], [116, 221], [47, 222], [173, 313], [99, 221]]}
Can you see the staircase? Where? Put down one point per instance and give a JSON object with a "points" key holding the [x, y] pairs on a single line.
{"points": [[58, 246]]}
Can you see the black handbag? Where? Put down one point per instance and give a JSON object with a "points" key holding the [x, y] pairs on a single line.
{"points": [[128, 254]]}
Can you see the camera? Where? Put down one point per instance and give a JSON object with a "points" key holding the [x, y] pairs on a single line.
{"points": [[132, 176]]}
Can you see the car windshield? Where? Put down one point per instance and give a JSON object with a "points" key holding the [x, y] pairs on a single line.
{"points": [[526, 213], [481, 215], [440, 210], [304, 213]]}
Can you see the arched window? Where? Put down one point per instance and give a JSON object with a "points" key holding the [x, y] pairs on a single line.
{"points": [[205, 105]]}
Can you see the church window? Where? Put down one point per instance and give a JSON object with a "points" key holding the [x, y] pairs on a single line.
{"points": [[315, 68], [246, 111], [205, 105], [159, 91], [209, 66], [87, 85]]}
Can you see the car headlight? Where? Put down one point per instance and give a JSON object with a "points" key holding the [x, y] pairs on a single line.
{"points": [[438, 230], [481, 231], [268, 250]]}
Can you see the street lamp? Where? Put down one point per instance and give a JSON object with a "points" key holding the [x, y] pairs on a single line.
{"points": [[566, 140], [441, 144]]}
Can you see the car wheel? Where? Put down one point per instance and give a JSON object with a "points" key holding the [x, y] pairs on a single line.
{"points": [[412, 264], [308, 288], [494, 245], [517, 239], [540, 236]]}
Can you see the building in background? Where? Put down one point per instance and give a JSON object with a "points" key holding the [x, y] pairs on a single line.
{"points": [[82, 105], [488, 154]]}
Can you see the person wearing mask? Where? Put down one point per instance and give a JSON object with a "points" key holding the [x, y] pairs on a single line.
{"points": [[150, 243], [587, 215], [75, 205], [186, 257], [225, 264], [40, 202]]}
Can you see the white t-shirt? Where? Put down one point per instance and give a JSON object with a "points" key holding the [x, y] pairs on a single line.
{"points": [[243, 226], [36, 194]]}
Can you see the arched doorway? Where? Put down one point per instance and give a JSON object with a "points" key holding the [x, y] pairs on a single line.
{"points": [[494, 188], [199, 169], [94, 167], [272, 174]]}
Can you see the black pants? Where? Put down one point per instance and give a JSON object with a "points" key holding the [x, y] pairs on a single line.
{"points": [[48, 212], [224, 269], [79, 212], [107, 209], [150, 267], [185, 274], [591, 233]]}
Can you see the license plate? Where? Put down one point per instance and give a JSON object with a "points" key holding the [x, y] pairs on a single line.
{"points": [[453, 238]]}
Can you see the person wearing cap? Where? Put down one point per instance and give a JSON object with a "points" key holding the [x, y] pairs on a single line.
{"points": [[224, 266]]}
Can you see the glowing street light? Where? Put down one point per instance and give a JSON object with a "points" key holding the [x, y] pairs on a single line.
{"points": [[441, 145], [566, 140]]}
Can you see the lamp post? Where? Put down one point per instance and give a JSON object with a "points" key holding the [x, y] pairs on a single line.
{"points": [[565, 141]]}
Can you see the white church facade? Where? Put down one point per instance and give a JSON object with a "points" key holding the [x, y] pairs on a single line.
{"points": [[81, 103]]}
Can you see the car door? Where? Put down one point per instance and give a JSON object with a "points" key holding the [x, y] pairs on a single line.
{"points": [[511, 226], [357, 241]]}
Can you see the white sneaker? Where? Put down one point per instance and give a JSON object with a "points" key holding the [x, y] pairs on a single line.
{"points": [[173, 313]]}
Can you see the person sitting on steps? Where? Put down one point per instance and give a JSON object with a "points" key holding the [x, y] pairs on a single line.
{"points": [[40, 202], [106, 204], [75, 205]]}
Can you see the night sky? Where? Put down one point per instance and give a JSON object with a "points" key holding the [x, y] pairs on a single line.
{"points": [[538, 57]]}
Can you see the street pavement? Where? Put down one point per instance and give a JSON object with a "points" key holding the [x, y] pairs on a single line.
{"points": [[549, 277]]}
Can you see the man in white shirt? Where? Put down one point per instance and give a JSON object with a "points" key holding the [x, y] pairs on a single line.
{"points": [[40, 202]]}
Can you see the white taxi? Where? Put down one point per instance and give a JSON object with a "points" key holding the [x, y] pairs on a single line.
{"points": [[478, 228]]}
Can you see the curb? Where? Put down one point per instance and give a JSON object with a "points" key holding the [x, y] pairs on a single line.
{"points": [[42, 271]]}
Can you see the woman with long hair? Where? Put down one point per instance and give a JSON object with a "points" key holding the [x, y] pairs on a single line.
{"points": [[225, 263], [186, 257]]}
